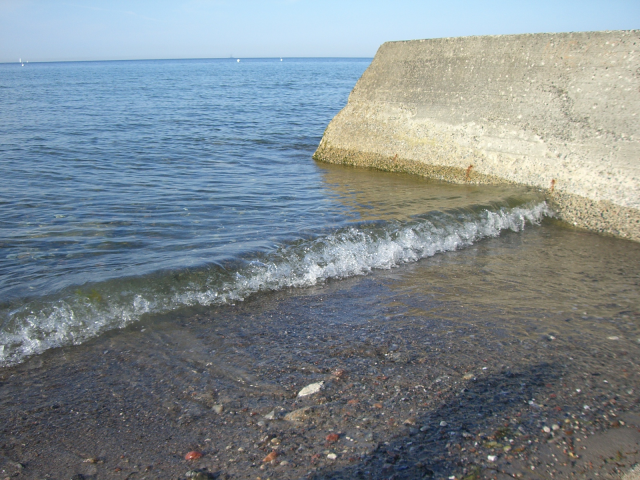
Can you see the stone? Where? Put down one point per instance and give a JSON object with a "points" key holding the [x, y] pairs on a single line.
{"points": [[300, 415], [218, 409], [339, 373], [199, 475], [270, 457], [310, 389], [332, 437], [193, 455]]}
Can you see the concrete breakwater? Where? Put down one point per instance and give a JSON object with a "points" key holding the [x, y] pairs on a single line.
{"points": [[559, 112]]}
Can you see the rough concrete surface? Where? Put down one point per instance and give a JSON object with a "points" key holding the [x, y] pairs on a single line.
{"points": [[633, 474], [555, 111]]}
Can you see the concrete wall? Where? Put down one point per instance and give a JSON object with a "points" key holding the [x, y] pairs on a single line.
{"points": [[556, 111]]}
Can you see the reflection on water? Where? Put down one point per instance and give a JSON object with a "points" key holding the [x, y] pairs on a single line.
{"points": [[372, 195], [549, 279], [377, 228]]}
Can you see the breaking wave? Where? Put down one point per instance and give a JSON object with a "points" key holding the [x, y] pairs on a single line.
{"points": [[76, 315]]}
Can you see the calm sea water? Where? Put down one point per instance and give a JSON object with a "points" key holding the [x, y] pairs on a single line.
{"points": [[142, 187]]}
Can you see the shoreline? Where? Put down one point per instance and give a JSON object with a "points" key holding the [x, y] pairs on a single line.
{"points": [[599, 216], [430, 371]]}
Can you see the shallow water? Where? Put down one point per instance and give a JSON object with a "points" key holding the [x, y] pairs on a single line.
{"points": [[140, 171], [168, 244], [527, 329], [137, 188], [114, 169]]}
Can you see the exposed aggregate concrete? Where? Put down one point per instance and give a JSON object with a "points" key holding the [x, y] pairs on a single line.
{"points": [[560, 112]]}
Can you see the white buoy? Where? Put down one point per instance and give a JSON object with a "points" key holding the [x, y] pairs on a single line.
{"points": [[280, 59], [238, 60]]}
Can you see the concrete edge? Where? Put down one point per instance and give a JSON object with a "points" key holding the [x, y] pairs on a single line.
{"points": [[514, 35], [633, 474], [357, 158], [599, 216]]}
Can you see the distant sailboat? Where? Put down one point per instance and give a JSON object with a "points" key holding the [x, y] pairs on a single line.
{"points": [[238, 60], [280, 59]]}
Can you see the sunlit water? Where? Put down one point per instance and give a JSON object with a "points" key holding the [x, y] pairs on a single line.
{"points": [[133, 188]]}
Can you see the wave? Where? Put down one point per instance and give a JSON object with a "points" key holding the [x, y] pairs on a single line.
{"points": [[76, 315]]}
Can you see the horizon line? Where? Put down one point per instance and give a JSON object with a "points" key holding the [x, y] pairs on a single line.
{"points": [[172, 59]]}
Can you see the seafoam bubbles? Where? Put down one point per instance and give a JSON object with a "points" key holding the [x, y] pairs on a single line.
{"points": [[73, 317], [356, 250], [40, 325]]}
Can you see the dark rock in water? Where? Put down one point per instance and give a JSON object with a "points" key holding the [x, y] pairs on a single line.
{"points": [[201, 475]]}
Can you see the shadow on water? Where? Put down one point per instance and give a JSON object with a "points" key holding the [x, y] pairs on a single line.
{"points": [[433, 444], [375, 195]]}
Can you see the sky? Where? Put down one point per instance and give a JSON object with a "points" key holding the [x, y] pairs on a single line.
{"points": [[67, 30]]}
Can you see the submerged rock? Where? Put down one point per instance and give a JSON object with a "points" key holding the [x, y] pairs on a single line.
{"points": [[272, 456], [193, 455], [311, 389], [199, 475], [300, 415]]}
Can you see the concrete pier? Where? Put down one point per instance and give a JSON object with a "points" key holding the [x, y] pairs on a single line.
{"points": [[560, 112]]}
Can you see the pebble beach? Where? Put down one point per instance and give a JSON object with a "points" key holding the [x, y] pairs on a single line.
{"points": [[424, 371]]}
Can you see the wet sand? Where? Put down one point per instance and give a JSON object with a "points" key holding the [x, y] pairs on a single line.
{"points": [[515, 358]]}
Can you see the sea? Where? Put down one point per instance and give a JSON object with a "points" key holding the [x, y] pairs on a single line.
{"points": [[133, 190]]}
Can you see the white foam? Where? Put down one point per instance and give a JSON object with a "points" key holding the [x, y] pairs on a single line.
{"points": [[34, 328], [356, 251]]}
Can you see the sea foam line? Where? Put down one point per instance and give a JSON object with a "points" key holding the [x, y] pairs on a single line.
{"points": [[356, 251], [36, 327]]}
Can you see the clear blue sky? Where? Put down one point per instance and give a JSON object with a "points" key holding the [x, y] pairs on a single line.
{"points": [[51, 30]]}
